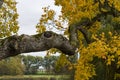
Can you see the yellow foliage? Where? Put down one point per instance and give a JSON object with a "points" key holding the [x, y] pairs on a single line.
{"points": [[102, 48], [63, 62], [48, 15], [116, 3], [48, 19], [95, 27], [75, 10], [8, 20], [40, 28]]}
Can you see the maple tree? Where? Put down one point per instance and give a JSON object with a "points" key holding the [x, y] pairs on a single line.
{"points": [[93, 32]]}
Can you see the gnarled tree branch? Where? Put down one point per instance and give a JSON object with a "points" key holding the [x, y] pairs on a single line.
{"points": [[15, 45]]}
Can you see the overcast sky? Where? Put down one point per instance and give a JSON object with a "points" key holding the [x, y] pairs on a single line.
{"points": [[29, 14]]}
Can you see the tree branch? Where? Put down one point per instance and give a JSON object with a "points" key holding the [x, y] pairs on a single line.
{"points": [[85, 34], [15, 45], [73, 35]]}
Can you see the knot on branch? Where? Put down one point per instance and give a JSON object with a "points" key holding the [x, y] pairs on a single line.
{"points": [[48, 34]]}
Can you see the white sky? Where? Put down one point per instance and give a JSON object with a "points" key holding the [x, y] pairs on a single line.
{"points": [[29, 14]]}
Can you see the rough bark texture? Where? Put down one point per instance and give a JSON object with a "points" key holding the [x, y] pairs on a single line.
{"points": [[15, 45]]}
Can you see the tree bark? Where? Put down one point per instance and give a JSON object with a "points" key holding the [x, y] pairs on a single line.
{"points": [[15, 44]]}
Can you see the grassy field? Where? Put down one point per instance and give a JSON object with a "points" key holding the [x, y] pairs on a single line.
{"points": [[36, 77]]}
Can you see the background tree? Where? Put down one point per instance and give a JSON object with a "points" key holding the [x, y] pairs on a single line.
{"points": [[12, 66], [49, 63], [32, 64]]}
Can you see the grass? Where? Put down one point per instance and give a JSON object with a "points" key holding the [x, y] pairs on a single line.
{"points": [[35, 77]]}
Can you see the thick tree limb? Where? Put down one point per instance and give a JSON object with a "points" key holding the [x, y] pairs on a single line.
{"points": [[15, 45], [73, 35]]}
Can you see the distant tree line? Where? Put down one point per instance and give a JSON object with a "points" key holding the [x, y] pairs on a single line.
{"points": [[22, 64]]}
